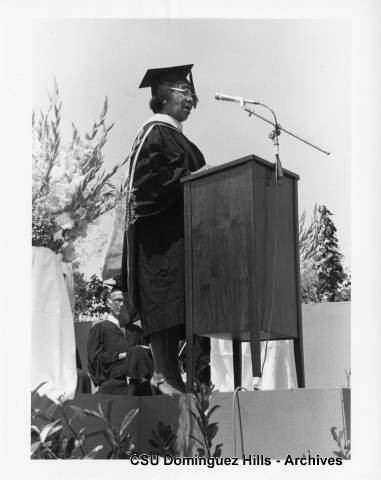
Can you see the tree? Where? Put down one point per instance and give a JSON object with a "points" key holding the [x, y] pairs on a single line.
{"points": [[90, 296], [322, 274], [330, 269], [308, 244]]}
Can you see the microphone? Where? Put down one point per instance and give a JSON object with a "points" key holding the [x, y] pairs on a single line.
{"points": [[229, 98]]}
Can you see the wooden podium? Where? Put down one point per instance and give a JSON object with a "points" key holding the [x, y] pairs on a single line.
{"points": [[229, 260]]}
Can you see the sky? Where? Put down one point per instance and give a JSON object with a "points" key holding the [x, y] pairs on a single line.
{"points": [[299, 68]]}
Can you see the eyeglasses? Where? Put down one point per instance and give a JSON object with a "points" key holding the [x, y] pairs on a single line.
{"points": [[186, 92]]}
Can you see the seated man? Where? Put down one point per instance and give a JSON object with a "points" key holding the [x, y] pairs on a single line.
{"points": [[116, 361]]}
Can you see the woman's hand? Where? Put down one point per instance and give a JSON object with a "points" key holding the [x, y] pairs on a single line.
{"points": [[205, 167]]}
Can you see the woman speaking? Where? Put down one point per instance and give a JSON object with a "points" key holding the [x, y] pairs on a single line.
{"points": [[153, 252]]}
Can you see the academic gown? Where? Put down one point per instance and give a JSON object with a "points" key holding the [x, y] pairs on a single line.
{"points": [[105, 341], [154, 245]]}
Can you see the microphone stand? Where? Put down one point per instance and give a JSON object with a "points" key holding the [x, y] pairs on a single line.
{"points": [[274, 135]]}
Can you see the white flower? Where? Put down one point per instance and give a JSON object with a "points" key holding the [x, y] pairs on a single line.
{"points": [[53, 204], [70, 165], [58, 235], [58, 189], [65, 221], [57, 171], [36, 175], [81, 213], [61, 192]]}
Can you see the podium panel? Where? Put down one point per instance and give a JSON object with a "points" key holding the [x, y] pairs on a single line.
{"points": [[236, 219], [222, 280]]}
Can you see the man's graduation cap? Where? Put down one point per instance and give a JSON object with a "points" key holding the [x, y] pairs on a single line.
{"points": [[114, 284], [157, 76]]}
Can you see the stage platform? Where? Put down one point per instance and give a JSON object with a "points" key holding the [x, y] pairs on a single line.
{"points": [[274, 423]]}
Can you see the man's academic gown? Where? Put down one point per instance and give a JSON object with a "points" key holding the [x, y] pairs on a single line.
{"points": [[105, 341]]}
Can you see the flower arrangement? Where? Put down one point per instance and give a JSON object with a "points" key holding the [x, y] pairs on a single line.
{"points": [[70, 187]]}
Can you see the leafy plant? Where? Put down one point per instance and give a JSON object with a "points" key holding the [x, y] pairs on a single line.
{"points": [[53, 435], [342, 442], [118, 438], [208, 430], [90, 295], [164, 440], [309, 281]]}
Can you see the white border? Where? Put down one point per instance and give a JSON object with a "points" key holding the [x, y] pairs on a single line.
{"points": [[16, 104]]}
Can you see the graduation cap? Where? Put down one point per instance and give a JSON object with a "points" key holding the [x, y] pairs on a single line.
{"points": [[114, 284], [157, 76]]}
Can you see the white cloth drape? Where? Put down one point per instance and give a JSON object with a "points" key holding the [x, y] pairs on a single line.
{"points": [[67, 270], [53, 342], [278, 373]]}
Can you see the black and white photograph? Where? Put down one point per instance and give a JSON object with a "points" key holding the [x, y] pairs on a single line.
{"points": [[199, 193]]}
